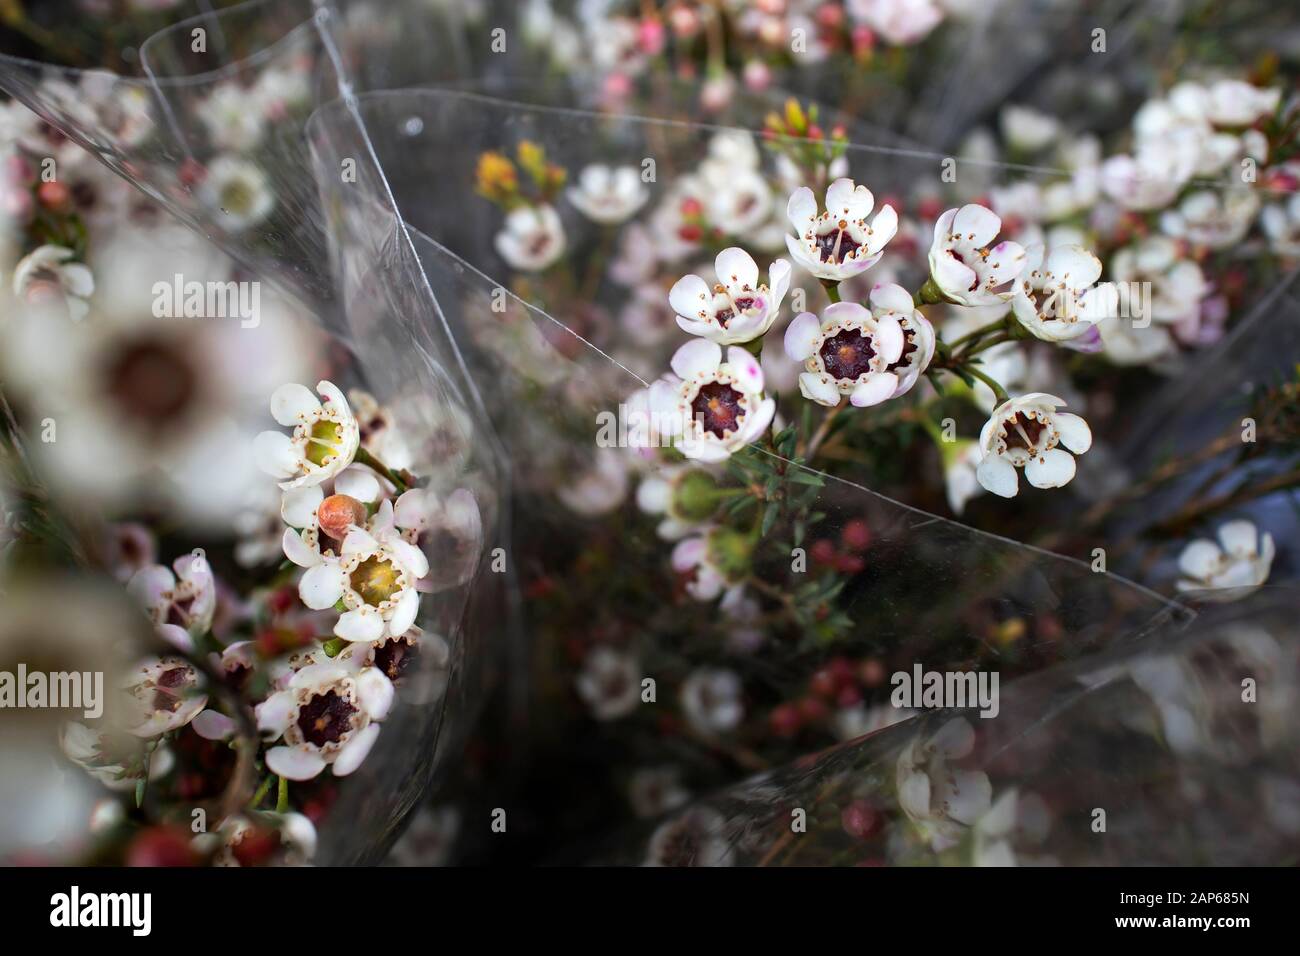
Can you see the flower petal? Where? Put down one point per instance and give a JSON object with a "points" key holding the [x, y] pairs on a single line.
{"points": [[298, 505], [874, 389], [1200, 559], [375, 693], [292, 403], [355, 751], [744, 366], [802, 208], [999, 476], [357, 482], [1051, 469], [322, 585], [213, 725], [698, 358], [690, 298], [403, 616], [891, 297], [802, 336], [975, 225], [294, 763], [818, 388], [736, 269], [1075, 433], [360, 624], [297, 550], [275, 454]]}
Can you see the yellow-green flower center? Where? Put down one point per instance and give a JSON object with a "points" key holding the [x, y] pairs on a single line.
{"points": [[376, 580], [326, 440]]}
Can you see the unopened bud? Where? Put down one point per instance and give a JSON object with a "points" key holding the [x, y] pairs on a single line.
{"points": [[339, 514]]}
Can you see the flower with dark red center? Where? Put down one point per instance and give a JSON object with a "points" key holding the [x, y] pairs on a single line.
{"points": [[328, 715], [711, 407], [838, 243], [1057, 299], [1024, 433], [964, 268], [849, 351], [164, 696], [737, 309]]}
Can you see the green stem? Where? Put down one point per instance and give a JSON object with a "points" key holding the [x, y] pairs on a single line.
{"points": [[999, 393], [282, 796], [260, 792], [832, 289]]}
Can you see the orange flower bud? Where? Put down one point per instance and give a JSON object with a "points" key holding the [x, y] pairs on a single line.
{"points": [[338, 514]]}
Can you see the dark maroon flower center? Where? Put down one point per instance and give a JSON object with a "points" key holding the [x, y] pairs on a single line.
{"points": [[394, 656], [717, 407], [325, 718], [1031, 427], [152, 383], [836, 246], [909, 346], [847, 354]]}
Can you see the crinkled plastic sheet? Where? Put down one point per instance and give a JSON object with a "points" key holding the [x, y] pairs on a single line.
{"points": [[1181, 751]]}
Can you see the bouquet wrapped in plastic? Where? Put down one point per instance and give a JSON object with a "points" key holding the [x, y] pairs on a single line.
{"points": [[622, 417]]}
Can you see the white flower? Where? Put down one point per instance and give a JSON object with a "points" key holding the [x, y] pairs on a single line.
{"points": [[532, 238], [855, 352], [1236, 103], [942, 800], [838, 243], [1281, 224], [737, 309], [637, 261], [609, 196], [374, 575], [328, 715], [48, 269], [163, 697], [1235, 567], [277, 91], [714, 560], [1152, 178], [962, 265], [186, 599], [695, 838], [711, 700], [239, 190], [1210, 219], [685, 496], [295, 847], [598, 490], [713, 408], [656, 790], [233, 118], [960, 460], [610, 683], [1028, 129], [450, 528], [1024, 432], [325, 436], [899, 22], [113, 760], [1058, 299], [379, 431], [732, 187], [1177, 284]]}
